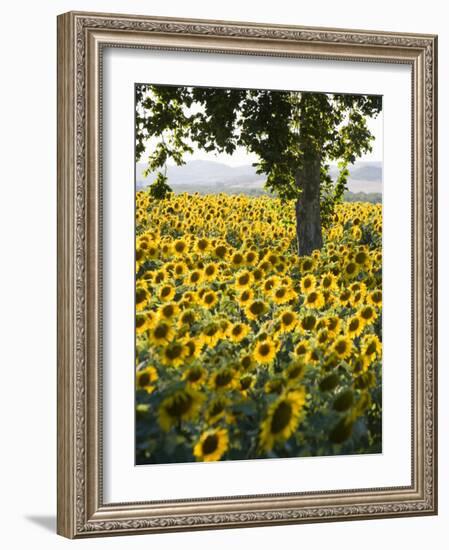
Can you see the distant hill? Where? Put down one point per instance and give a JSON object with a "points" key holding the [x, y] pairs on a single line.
{"points": [[206, 177]]}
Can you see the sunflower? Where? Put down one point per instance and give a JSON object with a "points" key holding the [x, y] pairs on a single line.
{"points": [[329, 282], [168, 312], [302, 348], [294, 372], [193, 346], [288, 320], [141, 298], [202, 245], [161, 333], [307, 323], [179, 270], [274, 385], [351, 270], [180, 247], [173, 354], [212, 334], [243, 280], [144, 321], [323, 337], [282, 295], [367, 314], [194, 278], [209, 299], [160, 277], [212, 445], [246, 383], [256, 309], [247, 361], [181, 405], [345, 297], [371, 346], [166, 293], [187, 318], [282, 419], [238, 332], [245, 297], [307, 264], [218, 409], [223, 379], [250, 257], [220, 251], [145, 378], [361, 258], [237, 259], [210, 272], [342, 347], [270, 284], [374, 298], [265, 351], [194, 375], [355, 326], [308, 283], [314, 300]]}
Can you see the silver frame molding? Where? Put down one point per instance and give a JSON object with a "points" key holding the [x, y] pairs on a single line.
{"points": [[81, 38]]}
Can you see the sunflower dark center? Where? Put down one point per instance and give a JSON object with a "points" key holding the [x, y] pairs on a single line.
{"points": [[341, 346], [220, 251], [281, 417], [179, 405], [256, 308], [165, 291], [174, 351], [371, 348], [161, 331], [140, 295], [140, 321], [210, 444], [367, 313], [360, 258], [144, 379], [264, 350], [194, 375], [295, 372], [308, 322], [287, 319], [217, 408], [211, 330], [168, 311], [223, 379]]}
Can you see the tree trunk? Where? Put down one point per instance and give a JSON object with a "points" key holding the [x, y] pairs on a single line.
{"points": [[308, 218]]}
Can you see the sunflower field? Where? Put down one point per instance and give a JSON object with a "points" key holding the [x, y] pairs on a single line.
{"points": [[245, 350]]}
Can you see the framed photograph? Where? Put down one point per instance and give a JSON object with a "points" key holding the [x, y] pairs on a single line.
{"points": [[247, 274]]}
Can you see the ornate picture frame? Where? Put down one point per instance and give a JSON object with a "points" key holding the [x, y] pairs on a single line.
{"points": [[82, 38]]}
